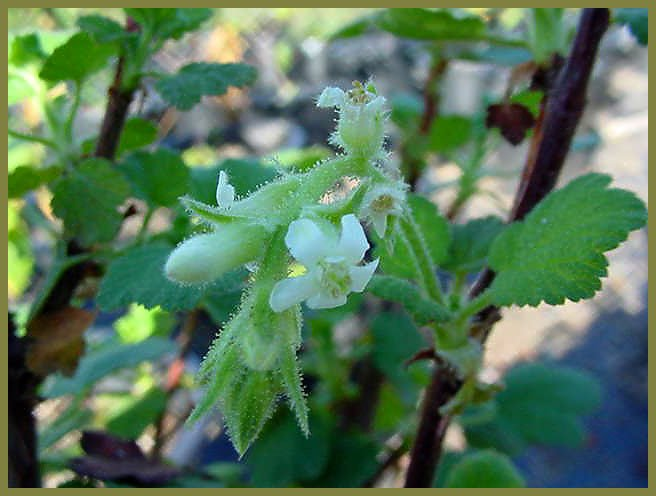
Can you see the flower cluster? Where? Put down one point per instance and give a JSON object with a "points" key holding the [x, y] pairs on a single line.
{"points": [[283, 221]]}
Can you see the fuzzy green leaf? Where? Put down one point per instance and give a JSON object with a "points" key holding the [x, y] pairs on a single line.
{"points": [[87, 201], [25, 178], [77, 59], [433, 227], [424, 24], [185, 89], [449, 132], [298, 458], [130, 415], [352, 461], [395, 340], [138, 277], [557, 251], [541, 404], [402, 291], [103, 29], [159, 177], [484, 469], [26, 50], [470, 244], [547, 33], [169, 23], [136, 133]]}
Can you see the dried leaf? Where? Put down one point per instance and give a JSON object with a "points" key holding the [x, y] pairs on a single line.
{"points": [[111, 458], [512, 119], [56, 340]]}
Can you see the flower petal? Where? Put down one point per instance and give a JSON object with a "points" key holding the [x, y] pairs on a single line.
{"points": [[306, 242], [289, 292], [325, 300], [352, 242], [225, 192], [379, 220], [361, 275], [331, 97]]}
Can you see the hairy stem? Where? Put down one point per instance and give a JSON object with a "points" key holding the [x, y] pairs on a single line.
{"points": [[562, 112]]}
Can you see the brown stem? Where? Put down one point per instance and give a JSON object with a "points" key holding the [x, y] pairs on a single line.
{"points": [[117, 109], [562, 112], [23, 461]]}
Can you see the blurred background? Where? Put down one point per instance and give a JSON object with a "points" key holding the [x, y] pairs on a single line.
{"points": [[296, 57]]}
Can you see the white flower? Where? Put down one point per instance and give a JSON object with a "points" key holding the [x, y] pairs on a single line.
{"points": [[225, 192], [361, 118], [332, 265], [380, 202]]}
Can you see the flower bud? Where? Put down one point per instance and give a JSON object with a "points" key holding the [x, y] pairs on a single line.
{"points": [[206, 257], [360, 128]]}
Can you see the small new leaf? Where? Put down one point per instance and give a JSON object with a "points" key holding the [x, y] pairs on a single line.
{"points": [[484, 469], [77, 59], [557, 251], [185, 89]]}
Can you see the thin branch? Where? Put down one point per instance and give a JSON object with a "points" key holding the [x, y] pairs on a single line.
{"points": [[562, 112]]}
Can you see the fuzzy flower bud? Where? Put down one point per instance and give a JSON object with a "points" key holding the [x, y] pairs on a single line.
{"points": [[206, 257], [360, 127]]}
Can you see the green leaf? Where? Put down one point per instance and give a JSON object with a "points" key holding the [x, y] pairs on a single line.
{"points": [[470, 244], [185, 89], [484, 469], [547, 34], [424, 24], [246, 175], [138, 277], [353, 29], [87, 201], [26, 50], [77, 59], [541, 404], [449, 132], [169, 23], [402, 291], [637, 20], [110, 357], [25, 178], [433, 227], [283, 456], [140, 323], [406, 111], [131, 415], [103, 29], [529, 99], [395, 340], [160, 177], [137, 133], [352, 461], [557, 251]]}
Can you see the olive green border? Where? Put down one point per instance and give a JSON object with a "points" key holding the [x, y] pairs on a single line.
{"points": [[319, 492]]}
